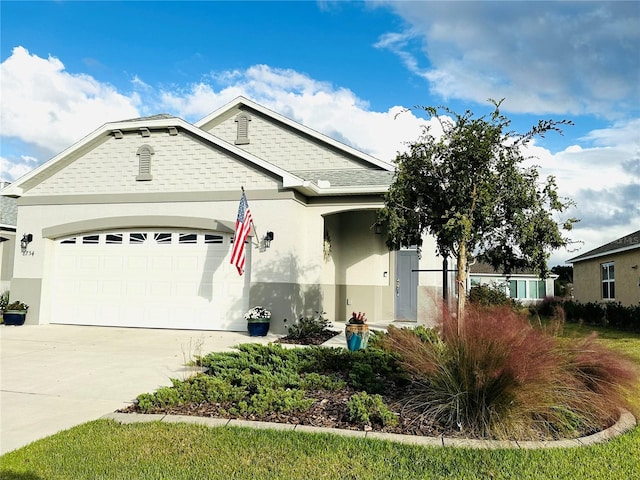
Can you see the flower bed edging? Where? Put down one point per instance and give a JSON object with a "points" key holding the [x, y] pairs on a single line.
{"points": [[625, 423]]}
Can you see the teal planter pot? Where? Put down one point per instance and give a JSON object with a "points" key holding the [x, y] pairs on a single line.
{"points": [[357, 336], [258, 328]]}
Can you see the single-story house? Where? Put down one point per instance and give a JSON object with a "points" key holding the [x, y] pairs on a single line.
{"points": [[522, 285], [133, 226], [8, 213], [610, 272]]}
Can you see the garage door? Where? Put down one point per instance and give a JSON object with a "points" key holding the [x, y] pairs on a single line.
{"points": [[149, 278]]}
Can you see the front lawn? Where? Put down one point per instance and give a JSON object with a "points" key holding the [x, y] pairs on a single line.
{"points": [[107, 450]]}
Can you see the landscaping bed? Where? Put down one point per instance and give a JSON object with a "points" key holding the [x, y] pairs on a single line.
{"points": [[414, 382]]}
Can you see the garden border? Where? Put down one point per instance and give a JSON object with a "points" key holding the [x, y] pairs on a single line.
{"points": [[625, 423]]}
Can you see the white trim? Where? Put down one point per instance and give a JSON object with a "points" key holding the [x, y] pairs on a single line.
{"points": [[603, 254]]}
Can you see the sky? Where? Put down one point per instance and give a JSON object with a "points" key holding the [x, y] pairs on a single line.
{"points": [[351, 70]]}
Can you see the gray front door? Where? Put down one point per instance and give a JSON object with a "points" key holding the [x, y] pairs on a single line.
{"points": [[407, 285]]}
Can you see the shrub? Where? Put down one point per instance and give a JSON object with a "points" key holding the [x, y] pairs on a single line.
{"points": [[488, 295], [367, 409], [308, 326], [502, 378]]}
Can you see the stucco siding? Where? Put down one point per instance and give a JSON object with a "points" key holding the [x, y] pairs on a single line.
{"points": [[179, 163], [587, 278], [282, 146]]}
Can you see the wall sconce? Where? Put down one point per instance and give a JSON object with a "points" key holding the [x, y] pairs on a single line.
{"points": [[27, 238], [267, 239]]}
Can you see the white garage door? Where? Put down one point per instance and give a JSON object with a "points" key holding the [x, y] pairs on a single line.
{"points": [[153, 279]]}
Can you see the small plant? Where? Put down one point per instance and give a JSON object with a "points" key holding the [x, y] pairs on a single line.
{"points": [[257, 313], [17, 305], [358, 318], [4, 300], [366, 409], [308, 328]]}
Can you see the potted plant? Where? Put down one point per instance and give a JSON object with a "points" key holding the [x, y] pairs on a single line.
{"points": [[357, 331], [15, 313], [258, 321]]}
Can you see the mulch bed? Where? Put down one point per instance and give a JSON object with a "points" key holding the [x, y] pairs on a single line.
{"points": [[318, 339]]}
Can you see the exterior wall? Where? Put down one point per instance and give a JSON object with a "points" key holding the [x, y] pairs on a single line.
{"points": [[281, 145], [587, 281], [7, 252], [180, 163]]}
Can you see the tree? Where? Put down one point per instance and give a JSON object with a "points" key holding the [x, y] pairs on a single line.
{"points": [[565, 279], [469, 189]]}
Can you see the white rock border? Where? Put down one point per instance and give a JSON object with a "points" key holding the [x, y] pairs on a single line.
{"points": [[625, 423]]}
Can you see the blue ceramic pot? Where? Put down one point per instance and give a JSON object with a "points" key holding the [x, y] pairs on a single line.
{"points": [[258, 328]]}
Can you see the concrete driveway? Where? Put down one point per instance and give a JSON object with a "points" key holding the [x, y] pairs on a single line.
{"points": [[53, 377]]}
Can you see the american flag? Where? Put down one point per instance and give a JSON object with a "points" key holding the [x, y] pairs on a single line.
{"points": [[243, 226]]}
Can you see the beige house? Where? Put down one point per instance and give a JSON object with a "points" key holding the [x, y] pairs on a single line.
{"points": [[609, 273], [133, 226]]}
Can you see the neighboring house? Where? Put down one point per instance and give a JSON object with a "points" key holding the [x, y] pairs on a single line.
{"points": [[609, 273], [522, 285], [8, 213], [133, 226]]}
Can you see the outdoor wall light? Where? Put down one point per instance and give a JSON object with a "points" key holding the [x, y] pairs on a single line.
{"points": [[27, 238], [267, 239]]}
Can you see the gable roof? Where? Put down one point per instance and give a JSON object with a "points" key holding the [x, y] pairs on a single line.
{"points": [[622, 244], [373, 180], [242, 101]]}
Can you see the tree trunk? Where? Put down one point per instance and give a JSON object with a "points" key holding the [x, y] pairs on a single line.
{"points": [[462, 285]]}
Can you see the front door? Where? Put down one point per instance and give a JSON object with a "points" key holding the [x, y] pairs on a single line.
{"points": [[407, 285]]}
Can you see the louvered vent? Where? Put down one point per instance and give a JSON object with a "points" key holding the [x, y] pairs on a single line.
{"points": [[243, 119], [144, 163]]}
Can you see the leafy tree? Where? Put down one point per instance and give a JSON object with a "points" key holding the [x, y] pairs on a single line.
{"points": [[564, 280], [468, 188]]}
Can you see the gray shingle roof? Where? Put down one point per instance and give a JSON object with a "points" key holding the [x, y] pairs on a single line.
{"points": [[160, 116], [628, 241], [8, 210], [356, 177]]}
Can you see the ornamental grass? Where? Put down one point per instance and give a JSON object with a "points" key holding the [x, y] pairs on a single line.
{"points": [[503, 378]]}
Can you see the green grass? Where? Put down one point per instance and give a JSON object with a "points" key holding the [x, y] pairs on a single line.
{"points": [[105, 450]]}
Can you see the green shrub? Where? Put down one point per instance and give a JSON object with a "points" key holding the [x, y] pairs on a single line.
{"points": [[367, 409], [488, 295], [308, 327]]}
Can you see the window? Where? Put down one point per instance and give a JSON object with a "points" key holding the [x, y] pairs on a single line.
{"points": [[91, 239], [537, 289], [71, 240], [144, 163], [518, 288], [243, 119], [162, 238], [188, 238], [113, 238], [137, 237], [608, 281], [209, 238]]}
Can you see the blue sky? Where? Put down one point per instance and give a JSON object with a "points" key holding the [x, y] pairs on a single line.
{"points": [[345, 69]]}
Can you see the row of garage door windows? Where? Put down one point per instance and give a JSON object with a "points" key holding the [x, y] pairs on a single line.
{"points": [[137, 238]]}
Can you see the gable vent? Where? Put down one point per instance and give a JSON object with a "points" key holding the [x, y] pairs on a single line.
{"points": [[144, 163], [243, 119]]}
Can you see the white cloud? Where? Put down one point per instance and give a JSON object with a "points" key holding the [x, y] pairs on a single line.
{"points": [[11, 170], [45, 105], [545, 57]]}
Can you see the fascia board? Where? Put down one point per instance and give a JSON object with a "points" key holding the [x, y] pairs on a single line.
{"points": [[297, 126], [603, 254]]}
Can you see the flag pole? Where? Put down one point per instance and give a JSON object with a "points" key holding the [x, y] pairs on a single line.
{"points": [[255, 230]]}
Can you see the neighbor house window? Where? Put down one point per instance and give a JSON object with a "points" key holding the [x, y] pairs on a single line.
{"points": [[518, 288], [537, 289], [144, 163], [608, 281]]}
